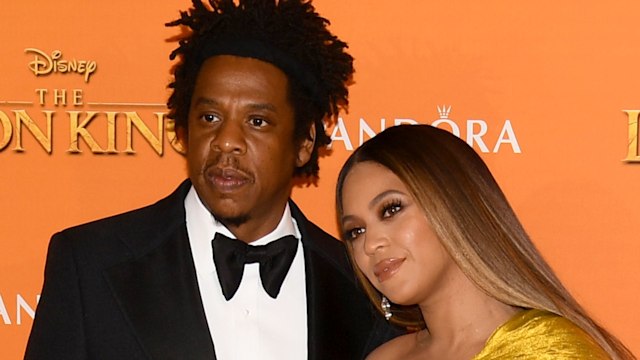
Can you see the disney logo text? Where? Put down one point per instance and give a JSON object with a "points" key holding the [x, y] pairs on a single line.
{"points": [[44, 64]]}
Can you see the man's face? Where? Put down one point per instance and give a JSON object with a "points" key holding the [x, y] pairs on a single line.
{"points": [[240, 146]]}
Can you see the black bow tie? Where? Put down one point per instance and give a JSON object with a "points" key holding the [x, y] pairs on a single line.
{"points": [[275, 258]]}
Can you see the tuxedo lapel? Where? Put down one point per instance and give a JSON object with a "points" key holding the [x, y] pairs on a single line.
{"points": [[339, 318], [158, 291]]}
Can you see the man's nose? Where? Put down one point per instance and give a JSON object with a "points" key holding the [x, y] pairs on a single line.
{"points": [[229, 137]]}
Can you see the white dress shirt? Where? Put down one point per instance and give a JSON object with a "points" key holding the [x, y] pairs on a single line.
{"points": [[251, 325]]}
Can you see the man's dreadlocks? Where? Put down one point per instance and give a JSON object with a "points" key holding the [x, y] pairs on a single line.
{"points": [[296, 40]]}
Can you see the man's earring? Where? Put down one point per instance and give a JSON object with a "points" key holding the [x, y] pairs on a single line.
{"points": [[386, 307]]}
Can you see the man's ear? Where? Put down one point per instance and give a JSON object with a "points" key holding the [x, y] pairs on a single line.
{"points": [[306, 147], [181, 139]]}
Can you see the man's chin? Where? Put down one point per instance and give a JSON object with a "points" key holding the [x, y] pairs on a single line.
{"points": [[232, 221], [225, 209]]}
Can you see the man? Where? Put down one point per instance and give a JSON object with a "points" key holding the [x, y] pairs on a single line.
{"points": [[169, 281]]}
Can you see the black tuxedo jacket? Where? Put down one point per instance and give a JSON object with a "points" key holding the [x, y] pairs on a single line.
{"points": [[125, 288]]}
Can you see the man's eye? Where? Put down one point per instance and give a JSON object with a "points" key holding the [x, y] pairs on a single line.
{"points": [[354, 233], [258, 122], [210, 118]]}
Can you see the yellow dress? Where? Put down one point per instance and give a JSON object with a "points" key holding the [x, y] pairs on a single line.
{"points": [[537, 334]]}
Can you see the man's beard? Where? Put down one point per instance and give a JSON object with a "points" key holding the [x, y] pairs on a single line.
{"points": [[233, 221]]}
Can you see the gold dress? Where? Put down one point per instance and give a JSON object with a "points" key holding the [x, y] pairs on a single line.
{"points": [[538, 334]]}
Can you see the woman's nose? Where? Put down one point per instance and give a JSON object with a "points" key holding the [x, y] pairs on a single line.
{"points": [[375, 240]]}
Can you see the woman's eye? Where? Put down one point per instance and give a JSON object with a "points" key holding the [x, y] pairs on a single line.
{"points": [[210, 117], [391, 209], [354, 233]]}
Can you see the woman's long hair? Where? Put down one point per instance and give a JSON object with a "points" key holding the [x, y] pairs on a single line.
{"points": [[475, 223]]}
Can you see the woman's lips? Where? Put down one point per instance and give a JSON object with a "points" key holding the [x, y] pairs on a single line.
{"points": [[386, 268]]}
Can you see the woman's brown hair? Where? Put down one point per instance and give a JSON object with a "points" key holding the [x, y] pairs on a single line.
{"points": [[475, 223]]}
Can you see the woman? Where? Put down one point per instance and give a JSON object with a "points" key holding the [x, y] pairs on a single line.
{"points": [[427, 227]]}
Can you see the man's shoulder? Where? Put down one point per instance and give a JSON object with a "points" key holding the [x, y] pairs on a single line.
{"points": [[150, 218]]}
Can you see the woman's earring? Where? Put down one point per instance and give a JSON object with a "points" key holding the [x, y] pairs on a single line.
{"points": [[386, 307]]}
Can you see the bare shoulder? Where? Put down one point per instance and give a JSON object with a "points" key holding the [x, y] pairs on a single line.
{"points": [[394, 349]]}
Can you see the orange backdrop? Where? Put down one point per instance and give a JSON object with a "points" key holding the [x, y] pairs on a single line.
{"points": [[545, 90]]}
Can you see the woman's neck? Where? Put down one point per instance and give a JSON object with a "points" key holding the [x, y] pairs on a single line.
{"points": [[461, 316]]}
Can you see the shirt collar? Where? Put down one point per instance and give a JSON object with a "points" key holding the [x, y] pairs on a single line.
{"points": [[208, 226]]}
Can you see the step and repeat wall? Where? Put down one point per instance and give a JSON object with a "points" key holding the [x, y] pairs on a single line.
{"points": [[546, 91]]}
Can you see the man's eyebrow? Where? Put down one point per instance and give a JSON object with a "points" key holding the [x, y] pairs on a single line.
{"points": [[253, 106], [262, 106], [205, 101]]}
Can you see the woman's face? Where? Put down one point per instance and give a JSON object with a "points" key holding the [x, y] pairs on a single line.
{"points": [[392, 241]]}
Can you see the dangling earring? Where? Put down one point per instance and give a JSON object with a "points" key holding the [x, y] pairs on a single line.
{"points": [[386, 307]]}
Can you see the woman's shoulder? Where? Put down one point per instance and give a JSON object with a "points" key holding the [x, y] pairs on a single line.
{"points": [[540, 334], [394, 349]]}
